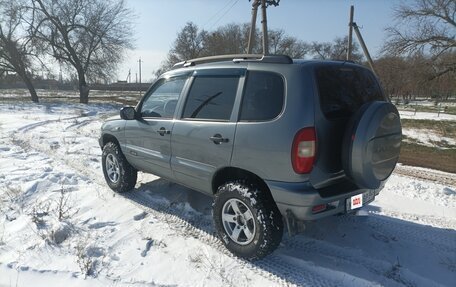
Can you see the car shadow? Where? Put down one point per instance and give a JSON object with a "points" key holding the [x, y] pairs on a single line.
{"points": [[346, 250]]}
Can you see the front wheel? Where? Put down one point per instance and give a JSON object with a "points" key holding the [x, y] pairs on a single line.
{"points": [[247, 220], [118, 172]]}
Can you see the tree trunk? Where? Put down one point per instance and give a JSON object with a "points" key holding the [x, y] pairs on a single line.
{"points": [[83, 93], [30, 87], [83, 89]]}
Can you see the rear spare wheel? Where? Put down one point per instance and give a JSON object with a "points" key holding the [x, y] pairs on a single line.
{"points": [[371, 144]]}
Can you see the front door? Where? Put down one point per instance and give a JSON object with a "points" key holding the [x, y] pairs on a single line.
{"points": [[148, 139], [202, 140]]}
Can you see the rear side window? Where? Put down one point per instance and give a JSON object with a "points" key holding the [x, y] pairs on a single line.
{"points": [[343, 90], [211, 98], [263, 97]]}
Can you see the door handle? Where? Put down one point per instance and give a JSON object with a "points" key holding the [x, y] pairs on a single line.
{"points": [[218, 139], [162, 131]]}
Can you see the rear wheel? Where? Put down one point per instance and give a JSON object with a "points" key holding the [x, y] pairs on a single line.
{"points": [[118, 173], [247, 220]]}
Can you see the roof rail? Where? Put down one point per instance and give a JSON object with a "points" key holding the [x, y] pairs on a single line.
{"points": [[236, 58]]}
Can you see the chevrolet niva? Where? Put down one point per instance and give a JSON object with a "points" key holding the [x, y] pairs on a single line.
{"points": [[269, 137]]}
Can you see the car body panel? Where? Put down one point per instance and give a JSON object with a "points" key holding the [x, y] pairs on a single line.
{"points": [[145, 148], [195, 157]]}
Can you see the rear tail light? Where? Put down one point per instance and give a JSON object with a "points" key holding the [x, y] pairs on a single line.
{"points": [[303, 150], [319, 208]]}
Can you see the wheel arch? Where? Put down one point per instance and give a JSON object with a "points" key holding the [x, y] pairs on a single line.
{"points": [[227, 174], [108, 138]]}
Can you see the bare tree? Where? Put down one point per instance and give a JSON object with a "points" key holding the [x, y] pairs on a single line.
{"points": [[189, 44], [229, 39], [16, 51], [89, 36], [336, 50], [192, 42], [414, 76], [425, 26], [393, 73], [282, 44]]}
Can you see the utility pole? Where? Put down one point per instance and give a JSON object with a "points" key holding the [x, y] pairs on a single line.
{"points": [[354, 26], [129, 76], [350, 33], [264, 21], [253, 27], [139, 70], [363, 45]]}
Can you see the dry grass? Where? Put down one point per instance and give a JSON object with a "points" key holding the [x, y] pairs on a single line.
{"points": [[443, 128], [415, 154], [429, 157]]}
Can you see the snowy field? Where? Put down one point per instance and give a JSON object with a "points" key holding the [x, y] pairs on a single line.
{"points": [[427, 116], [60, 225]]}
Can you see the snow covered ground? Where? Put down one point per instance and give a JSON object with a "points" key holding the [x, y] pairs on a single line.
{"points": [[61, 225], [426, 116], [429, 138]]}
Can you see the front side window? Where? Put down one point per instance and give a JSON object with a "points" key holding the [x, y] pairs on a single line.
{"points": [[263, 97], [161, 101], [211, 98]]}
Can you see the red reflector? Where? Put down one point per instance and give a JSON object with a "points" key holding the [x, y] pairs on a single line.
{"points": [[318, 208], [303, 150]]}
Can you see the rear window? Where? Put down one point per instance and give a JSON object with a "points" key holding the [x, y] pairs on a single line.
{"points": [[263, 96], [343, 90]]}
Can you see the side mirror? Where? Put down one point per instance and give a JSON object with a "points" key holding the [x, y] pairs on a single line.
{"points": [[128, 113]]}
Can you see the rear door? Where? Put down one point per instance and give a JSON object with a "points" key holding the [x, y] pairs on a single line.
{"points": [[202, 140], [148, 139], [342, 90]]}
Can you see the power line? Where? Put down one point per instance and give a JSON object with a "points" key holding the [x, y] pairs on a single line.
{"points": [[224, 14], [218, 12]]}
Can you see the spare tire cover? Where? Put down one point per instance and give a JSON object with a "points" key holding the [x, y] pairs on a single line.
{"points": [[372, 144]]}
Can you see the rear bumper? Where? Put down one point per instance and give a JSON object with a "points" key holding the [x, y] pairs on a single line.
{"points": [[300, 198]]}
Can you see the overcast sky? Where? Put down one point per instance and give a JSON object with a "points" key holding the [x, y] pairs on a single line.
{"points": [[157, 23]]}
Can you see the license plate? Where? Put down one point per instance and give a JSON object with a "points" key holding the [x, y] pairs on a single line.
{"points": [[357, 201]]}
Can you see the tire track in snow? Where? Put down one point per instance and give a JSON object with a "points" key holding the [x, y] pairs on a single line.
{"points": [[43, 123], [436, 241], [437, 238], [279, 265], [441, 178], [351, 258], [273, 267], [160, 211]]}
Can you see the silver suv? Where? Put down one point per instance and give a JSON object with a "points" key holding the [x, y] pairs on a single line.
{"points": [[266, 136]]}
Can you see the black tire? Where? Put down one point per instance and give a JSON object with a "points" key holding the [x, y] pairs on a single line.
{"points": [[126, 174], [268, 222]]}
